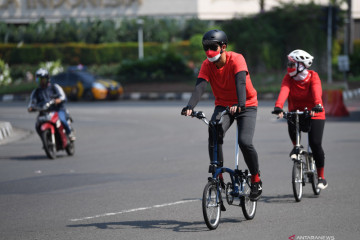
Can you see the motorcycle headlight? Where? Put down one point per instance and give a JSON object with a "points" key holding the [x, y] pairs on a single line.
{"points": [[45, 118]]}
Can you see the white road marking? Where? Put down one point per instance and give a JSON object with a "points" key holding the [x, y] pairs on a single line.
{"points": [[132, 210]]}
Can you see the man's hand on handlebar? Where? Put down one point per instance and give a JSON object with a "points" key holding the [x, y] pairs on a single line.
{"points": [[186, 111], [236, 109]]}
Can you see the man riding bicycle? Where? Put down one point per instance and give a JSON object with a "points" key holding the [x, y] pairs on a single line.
{"points": [[302, 88], [230, 81]]}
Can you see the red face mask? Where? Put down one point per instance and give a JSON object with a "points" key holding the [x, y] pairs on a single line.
{"points": [[213, 56], [291, 71]]}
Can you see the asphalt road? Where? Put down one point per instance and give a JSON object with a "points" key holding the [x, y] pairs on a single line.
{"points": [[140, 168]]}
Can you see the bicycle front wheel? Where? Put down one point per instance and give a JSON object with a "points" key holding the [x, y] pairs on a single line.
{"points": [[297, 180], [211, 206], [248, 207]]}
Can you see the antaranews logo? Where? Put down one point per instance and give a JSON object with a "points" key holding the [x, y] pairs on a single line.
{"points": [[294, 237]]}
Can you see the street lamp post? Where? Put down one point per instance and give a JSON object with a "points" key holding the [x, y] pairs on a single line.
{"points": [[140, 22]]}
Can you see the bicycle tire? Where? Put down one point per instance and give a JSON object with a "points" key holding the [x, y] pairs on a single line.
{"points": [[211, 206], [297, 180], [314, 177], [248, 207], [49, 146]]}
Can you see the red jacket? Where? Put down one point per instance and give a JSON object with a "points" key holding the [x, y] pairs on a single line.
{"points": [[301, 94]]}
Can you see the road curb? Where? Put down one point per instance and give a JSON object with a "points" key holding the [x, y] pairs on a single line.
{"points": [[351, 94], [6, 130]]}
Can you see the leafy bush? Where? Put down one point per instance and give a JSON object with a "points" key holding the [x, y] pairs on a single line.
{"points": [[53, 68], [5, 78], [355, 59], [167, 66], [265, 39]]}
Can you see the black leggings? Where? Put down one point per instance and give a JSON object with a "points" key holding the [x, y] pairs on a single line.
{"points": [[246, 125], [315, 139]]}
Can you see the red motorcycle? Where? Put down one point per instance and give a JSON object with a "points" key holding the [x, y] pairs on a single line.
{"points": [[52, 132]]}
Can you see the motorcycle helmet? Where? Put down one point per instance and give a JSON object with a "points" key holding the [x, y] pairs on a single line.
{"points": [[301, 56], [42, 77]]}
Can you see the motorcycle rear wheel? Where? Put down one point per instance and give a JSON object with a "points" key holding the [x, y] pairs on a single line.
{"points": [[49, 145]]}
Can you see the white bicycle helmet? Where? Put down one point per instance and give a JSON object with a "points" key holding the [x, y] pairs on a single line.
{"points": [[299, 55]]}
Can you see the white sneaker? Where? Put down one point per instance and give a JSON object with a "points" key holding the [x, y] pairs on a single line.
{"points": [[322, 183]]}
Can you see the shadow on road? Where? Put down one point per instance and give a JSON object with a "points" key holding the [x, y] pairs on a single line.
{"points": [[176, 226], [173, 225], [288, 198], [33, 158]]}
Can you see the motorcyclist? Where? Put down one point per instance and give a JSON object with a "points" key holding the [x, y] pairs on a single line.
{"points": [[44, 94]]}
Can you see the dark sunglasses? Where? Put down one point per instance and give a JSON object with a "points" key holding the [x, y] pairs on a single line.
{"points": [[41, 79], [290, 64], [210, 46]]}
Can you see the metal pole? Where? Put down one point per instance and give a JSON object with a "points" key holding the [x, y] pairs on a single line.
{"points": [[140, 22], [347, 40], [346, 50], [329, 43]]}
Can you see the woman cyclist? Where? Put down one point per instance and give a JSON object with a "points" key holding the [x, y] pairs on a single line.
{"points": [[230, 81], [302, 88]]}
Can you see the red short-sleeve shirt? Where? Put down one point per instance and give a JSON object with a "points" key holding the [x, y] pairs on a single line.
{"points": [[222, 80]]}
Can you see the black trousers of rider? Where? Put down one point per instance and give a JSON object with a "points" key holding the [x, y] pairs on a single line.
{"points": [[246, 128], [315, 139]]}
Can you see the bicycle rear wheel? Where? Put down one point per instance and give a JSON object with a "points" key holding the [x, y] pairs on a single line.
{"points": [[248, 207], [297, 180], [211, 206]]}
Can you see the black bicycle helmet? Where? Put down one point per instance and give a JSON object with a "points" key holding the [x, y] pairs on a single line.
{"points": [[217, 36]]}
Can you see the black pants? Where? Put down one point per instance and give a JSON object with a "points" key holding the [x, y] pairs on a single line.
{"points": [[246, 128], [315, 139]]}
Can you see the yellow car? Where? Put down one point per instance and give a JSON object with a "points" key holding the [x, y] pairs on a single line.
{"points": [[80, 84]]}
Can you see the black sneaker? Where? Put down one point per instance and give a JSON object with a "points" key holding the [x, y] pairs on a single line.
{"points": [[322, 184], [255, 191]]}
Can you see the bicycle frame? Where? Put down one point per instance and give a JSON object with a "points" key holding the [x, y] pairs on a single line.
{"points": [[212, 201], [238, 177], [298, 149], [304, 169]]}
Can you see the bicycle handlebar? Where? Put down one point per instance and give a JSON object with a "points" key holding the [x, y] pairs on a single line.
{"points": [[297, 112], [200, 115]]}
